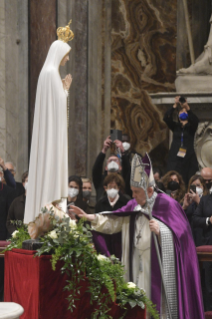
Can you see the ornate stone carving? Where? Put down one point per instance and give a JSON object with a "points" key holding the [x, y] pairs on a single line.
{"points": [[198, 76], [203, 65], [203, 144]]}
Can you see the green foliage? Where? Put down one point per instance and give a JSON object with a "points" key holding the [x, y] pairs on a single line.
{"points": [[18, 236], [72, 244], [136, 297]]}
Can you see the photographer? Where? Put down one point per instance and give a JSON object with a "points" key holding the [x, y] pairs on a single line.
{"points": [[114, 164], [196, 189], [182, 157], [203, 218]]}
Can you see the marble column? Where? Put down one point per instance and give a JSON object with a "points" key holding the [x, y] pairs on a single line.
{"points": [[42, 32], [14, 83], [90, 66]]}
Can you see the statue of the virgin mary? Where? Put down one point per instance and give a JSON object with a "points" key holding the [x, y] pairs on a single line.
{"points": [[48, 169]]}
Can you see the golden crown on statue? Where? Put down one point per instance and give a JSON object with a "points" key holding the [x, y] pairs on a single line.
{"points": [[65, 34]]}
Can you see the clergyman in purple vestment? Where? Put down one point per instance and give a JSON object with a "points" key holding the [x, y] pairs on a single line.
{"points": [[178, 252]]}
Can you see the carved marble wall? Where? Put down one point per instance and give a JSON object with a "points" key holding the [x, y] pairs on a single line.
{"points": [[143, 61]]}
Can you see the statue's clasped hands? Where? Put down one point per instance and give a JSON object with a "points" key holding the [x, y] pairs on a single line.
{"points": [[67, 81]]}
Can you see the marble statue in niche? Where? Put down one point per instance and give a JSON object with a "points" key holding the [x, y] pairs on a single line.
{"points": [[203, 144], [203, 64], [198, 76]]}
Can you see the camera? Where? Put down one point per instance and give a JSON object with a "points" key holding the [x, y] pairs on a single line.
{"points": [[182, 99], [115, 135]]}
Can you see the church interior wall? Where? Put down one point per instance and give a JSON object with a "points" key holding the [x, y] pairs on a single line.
{"points": [[14, 83], [123, 52]]}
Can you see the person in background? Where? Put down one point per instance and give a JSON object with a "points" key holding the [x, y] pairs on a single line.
{"points": [[75, 194], [86, 194], [112, 200], [16, 210], [182, 157], [7, 186], [20, 190], [206, 174], [157, 177], [203, 218], [174, 185], [157, 174], [196, 189], [114, 164], [6, 176]]}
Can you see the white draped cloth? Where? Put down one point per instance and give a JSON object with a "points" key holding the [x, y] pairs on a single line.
{"points": [[48, 169]]}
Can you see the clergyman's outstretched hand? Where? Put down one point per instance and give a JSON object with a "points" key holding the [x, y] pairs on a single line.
{"points": [[80, 213]]}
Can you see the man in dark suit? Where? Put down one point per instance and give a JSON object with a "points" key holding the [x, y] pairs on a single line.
{"points": [[114, 164], [203, 218], [16, 210], [5, 192], [19, 186]]}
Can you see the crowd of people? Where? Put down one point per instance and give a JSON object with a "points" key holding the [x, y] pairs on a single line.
{"points": [[181, 180]]}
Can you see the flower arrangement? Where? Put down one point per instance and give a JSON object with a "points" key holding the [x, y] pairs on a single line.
{"points": [[72, 244]]}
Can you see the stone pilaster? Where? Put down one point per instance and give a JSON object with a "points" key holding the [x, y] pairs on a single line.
{"points": [[14, 83]]}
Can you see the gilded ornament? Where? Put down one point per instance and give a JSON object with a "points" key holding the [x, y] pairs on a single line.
{"points": [[65, 34]]}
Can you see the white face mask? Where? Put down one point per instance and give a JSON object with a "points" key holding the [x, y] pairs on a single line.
{"points": [[126, 146], [112, 193], [25, 186], [113, 166], [0, 178], [73, 192], [199, 190]]}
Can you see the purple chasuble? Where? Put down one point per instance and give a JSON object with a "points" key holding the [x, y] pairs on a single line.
{"points": [[189, 293]]}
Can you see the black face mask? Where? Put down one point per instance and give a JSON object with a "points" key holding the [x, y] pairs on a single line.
{"points": [[208, 185], [173, 186]]}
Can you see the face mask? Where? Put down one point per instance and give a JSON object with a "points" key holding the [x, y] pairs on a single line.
{"points": [[25, 186], [173, 186], [86, 194], [112, 193], [126, 146], [183, 116], [113, 167], [0, 178], [199, 191], [72, 192]]}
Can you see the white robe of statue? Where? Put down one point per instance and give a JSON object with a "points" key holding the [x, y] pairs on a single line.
{"points": [[48, 169]]}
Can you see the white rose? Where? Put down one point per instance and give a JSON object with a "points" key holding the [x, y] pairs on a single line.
{"points": [[53, 234], [15, 233], [72, 223], [131, 285], [102, 257]]}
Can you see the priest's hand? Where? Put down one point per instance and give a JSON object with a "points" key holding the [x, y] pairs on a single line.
{"points": [[154, 226], [80, 213]]}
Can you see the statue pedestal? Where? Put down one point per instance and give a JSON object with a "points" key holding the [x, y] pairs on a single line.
{"points": [[32, 244], [31, 282], [193, 84]]}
